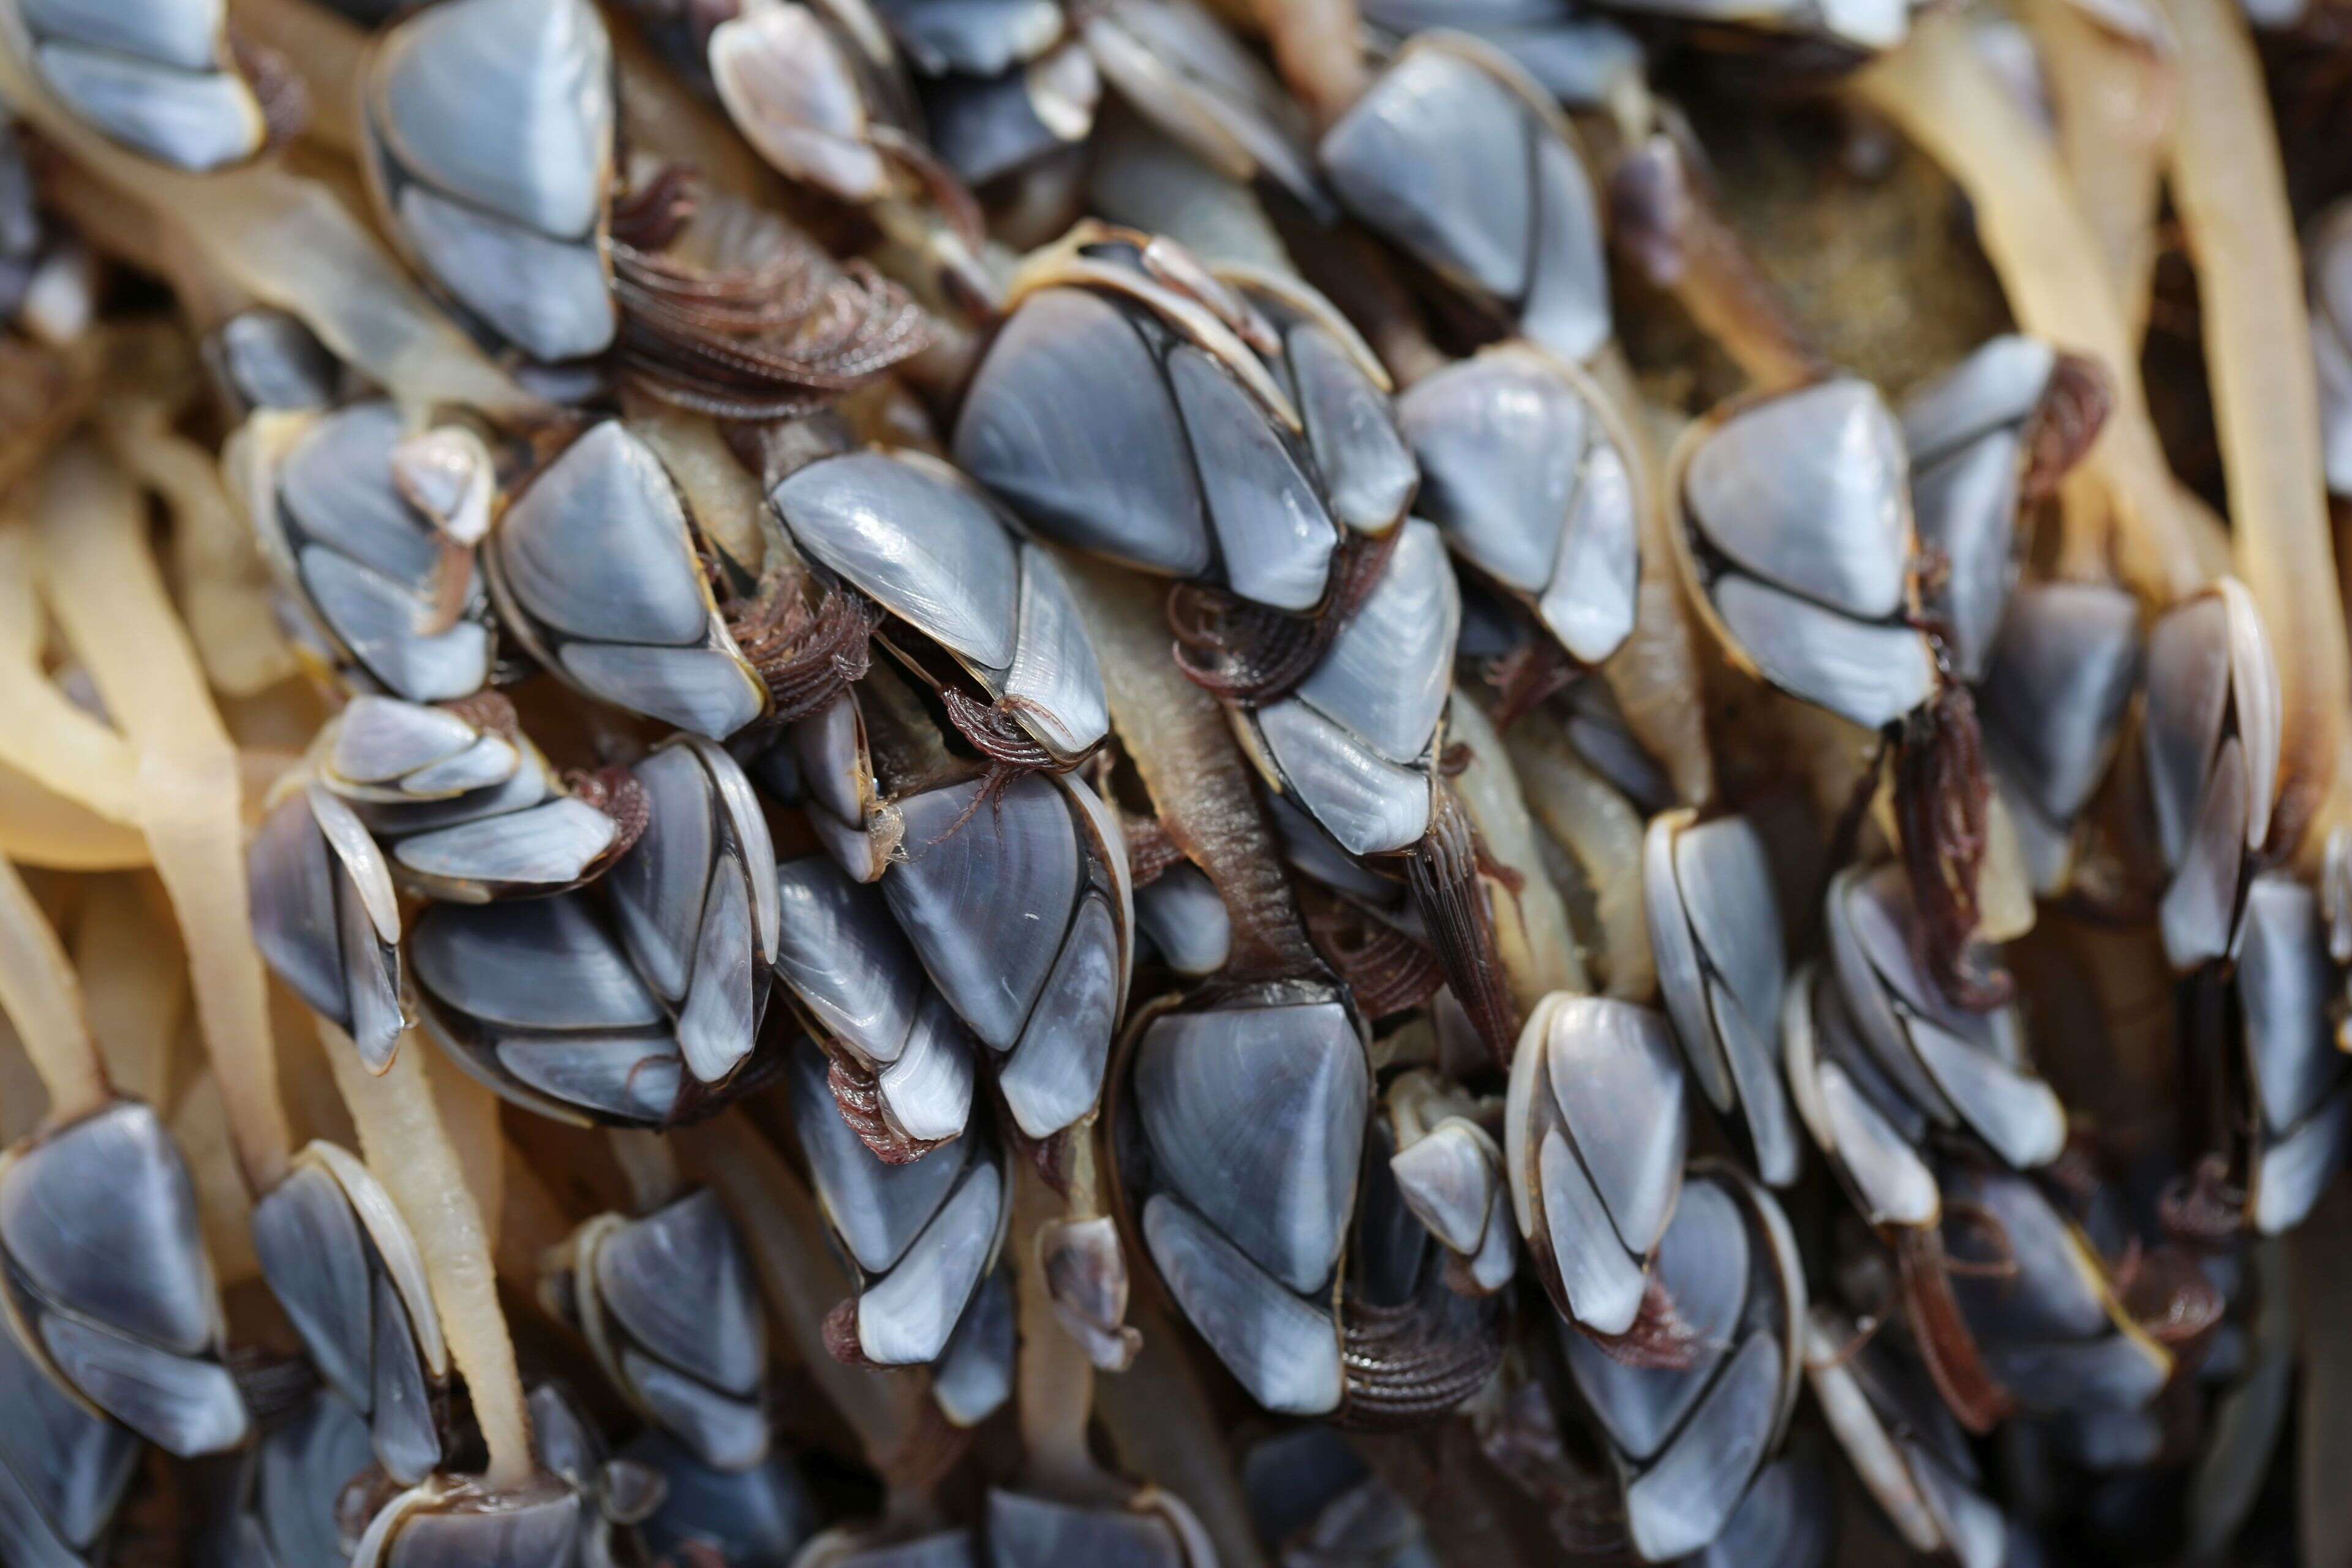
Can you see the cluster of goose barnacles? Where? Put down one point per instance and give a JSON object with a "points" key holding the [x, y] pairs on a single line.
{"points": [[923, 783]]}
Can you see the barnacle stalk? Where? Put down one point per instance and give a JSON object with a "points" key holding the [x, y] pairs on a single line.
{"points": [[2115, 92], [1669, 221], [1056, 1380], [1536, 946], [2051, 264], [1162, 1424], [39, 826], [223, 581], [1198, 778], [110, 599], [2227, 179], [410, 1150], [647, 1164], [1658, 667], [1603, 831], [45, 738], [43, 1000], [136, 1005]]}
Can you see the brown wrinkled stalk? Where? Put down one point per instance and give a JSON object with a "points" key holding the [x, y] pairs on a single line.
{"points": [[1534, 943], [1656, 673], [1055, 1381], [1603, 831], [2053, 268], [2232, 192], [104, 587], [1666, 219], [2114, 98], [409, 1149], [1200, 783], [43, 1000]]}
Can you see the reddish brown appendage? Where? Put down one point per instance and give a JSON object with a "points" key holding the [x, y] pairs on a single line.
{"points": [[1251, 654], [2073, 411], [489, 712], [859, 1095], [1388, 971], [1048, 1156], [1942, 793], [653, 214], [278, 88], [618, 794], [1947, 1345], [1442, 873], [1527, 677], [841, 1336], [995, 732], [805, 658], [768, 340], [1661, 1336]]}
